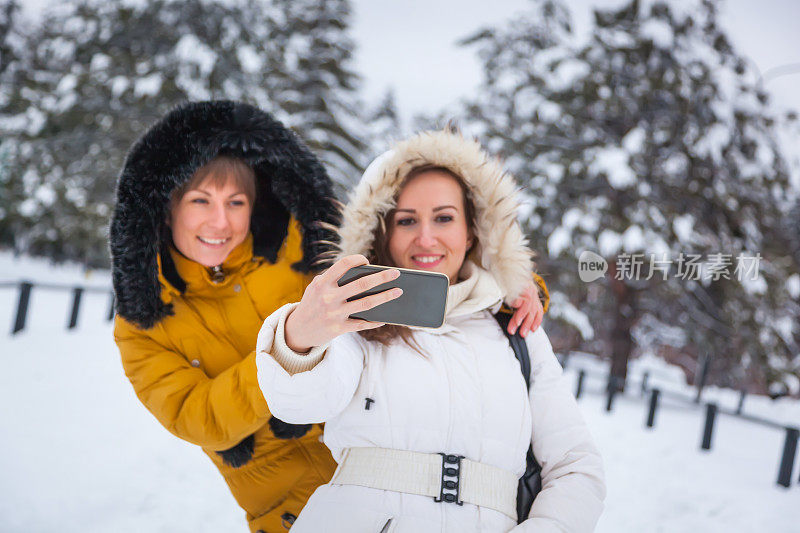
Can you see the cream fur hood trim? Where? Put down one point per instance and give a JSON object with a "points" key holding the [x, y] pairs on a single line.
{"points": [[502, 248]]}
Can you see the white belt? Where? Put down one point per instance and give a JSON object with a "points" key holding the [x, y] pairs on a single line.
{"points": [[446, 478]]}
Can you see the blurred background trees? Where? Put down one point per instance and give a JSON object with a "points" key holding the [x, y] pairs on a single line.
{"points": [[83, 82], [652, 135]]}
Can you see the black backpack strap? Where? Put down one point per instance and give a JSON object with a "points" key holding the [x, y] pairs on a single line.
{"points": [[531, 481], [517, 343]]}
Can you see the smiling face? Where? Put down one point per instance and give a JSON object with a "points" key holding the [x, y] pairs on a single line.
{"points": [[211, 219], [429, 229]]}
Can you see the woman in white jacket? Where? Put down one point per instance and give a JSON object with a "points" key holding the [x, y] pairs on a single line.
{"points": [[430, 427]]}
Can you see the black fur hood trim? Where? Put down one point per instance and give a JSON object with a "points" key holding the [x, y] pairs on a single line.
{"points": [[289, 180]]}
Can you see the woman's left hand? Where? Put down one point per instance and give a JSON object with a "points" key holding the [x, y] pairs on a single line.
{"points": [[528, 312]]}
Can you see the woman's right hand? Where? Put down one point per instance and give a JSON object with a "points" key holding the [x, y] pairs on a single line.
{"points": [[324, 312]]}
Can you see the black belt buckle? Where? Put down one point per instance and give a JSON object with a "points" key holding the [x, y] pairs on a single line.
{"points": [[450, 488]]}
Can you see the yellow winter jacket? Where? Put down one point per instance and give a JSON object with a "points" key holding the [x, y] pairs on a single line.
{"points": [[196, 373]]}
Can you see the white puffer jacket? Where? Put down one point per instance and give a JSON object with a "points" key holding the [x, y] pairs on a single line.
{"points": [[465, 396]]}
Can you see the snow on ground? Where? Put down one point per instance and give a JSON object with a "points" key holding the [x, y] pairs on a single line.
{"points": [[79, 452], [659, 480]]}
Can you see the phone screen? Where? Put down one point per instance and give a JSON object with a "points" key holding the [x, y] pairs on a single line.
{"points": [[422, 303]]}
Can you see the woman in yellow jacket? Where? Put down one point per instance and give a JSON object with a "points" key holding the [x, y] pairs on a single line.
{"points": [[220, 218], [203, 249]]}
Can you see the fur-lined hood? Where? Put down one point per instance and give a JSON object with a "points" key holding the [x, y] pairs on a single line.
{"points": [[502, 247], [289, 181]]}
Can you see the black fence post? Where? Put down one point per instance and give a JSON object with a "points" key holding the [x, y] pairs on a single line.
{"points": [[651, 415], [711, 414], [611, 391], [77, 292], [700, 376], [579, 388], [739, 407], [22, 306], [645, 378], [787, 460], [111, 301], [610, 400]]}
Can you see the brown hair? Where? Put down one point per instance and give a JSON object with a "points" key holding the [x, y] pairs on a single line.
{"points": [[218, 171], [379, 253]]}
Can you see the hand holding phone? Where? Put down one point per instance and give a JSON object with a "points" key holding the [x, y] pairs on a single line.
{"points": [[422, 303], [325, 309]]}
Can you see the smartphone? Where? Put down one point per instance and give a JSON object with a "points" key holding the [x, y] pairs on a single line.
{"points": [[422, 303]]}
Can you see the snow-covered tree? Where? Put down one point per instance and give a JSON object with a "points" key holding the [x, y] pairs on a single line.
{"points": [[384, 124], [651, 137], [319, 92], [8, 14], [11, 58], [94, 74]]}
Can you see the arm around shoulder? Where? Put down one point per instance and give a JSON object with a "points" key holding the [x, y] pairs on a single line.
{"points": [[573, 484]]}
